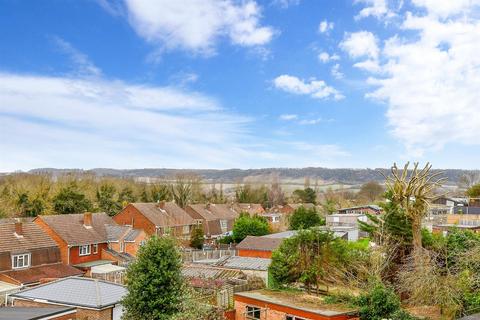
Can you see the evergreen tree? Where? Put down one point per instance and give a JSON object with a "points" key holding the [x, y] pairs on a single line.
{"points": [[70, 199], [249, 226], [154, 282], [106, 199], [197, 238], [303, 218]]}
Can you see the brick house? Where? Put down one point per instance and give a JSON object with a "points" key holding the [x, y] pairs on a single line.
{"points": [[32, 313], [274, 305], [80, 237], [93, 299], [250, 208], [123, 244], [157, 218], [216, 219], [291, 207], [29, 256]]}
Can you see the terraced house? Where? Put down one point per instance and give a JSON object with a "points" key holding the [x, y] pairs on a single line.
{"points": [[216, 219], [162, 218], [80, 237], [29, 256]]}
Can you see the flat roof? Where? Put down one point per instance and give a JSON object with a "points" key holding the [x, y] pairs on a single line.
{"points": [[26, 313], [299, 301]]}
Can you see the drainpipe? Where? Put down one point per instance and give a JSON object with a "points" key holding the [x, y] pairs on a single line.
{"points": [[68, 254]]}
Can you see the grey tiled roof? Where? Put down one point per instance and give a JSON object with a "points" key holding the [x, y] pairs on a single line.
{"points": [[79, 292], [132, 235], [114, 232], [244, 263], [28, 313]]}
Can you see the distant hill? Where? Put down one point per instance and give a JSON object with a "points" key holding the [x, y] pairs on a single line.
{"points": [[323, 175]]}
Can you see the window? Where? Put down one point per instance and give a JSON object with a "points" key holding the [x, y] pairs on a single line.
{"points": [[289, 317], [21, 261], [84, 250], [252, 313], [95, 248], [336, 219], [223, 225], [186, 229], [122, 246]]}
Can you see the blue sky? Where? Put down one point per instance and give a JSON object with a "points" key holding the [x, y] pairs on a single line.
{"points": [[244, 84]]}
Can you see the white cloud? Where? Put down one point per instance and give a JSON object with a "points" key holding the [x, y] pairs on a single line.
{"points": [[445, 8], [288, 117], [314, 88], [81, 62], [431, 79], [197, 25], [375, 8], [336, 73], [369, 65], [310, 121], [360, 44], [285, 3], [325, 26], [72, 122], [326, 57]]}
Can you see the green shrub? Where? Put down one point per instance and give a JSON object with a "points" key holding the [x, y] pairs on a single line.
{"points": [[379, 303]]}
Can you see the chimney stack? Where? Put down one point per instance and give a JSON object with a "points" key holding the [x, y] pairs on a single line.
{"points": [[207, 206], [18, 228], [87, 219], [161, 204]]}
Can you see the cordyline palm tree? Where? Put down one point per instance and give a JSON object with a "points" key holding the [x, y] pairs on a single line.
{"points": [[414, 192]]}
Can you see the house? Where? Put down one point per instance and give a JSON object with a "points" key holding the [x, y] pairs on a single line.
{"points": [[344, 219], [48, 313], [368, 209], [29, 256], [162, 218], [124, 241], [463, 219], [450, 202], [93, 299], [285, 305], [80, 237], [291, 207], [273, 218], [250, 208], [216, 219]]}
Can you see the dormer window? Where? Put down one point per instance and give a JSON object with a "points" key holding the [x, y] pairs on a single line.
{"points": [[21, 261]]}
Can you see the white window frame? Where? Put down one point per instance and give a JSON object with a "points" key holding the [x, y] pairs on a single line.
{"points": [[24, 257], [224, 224], [95, 248], [122, 246], [186, 229], [87, 248], [250, 315]]}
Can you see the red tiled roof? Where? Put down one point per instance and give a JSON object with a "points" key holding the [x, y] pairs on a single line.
{"points": [[33, 238], [71, 229], [166, 214], [36, 274]]}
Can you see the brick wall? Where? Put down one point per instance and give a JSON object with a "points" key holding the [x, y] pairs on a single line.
{"points": [[62, 245], [255, 253], [271, 311], [82, 314], [75, 257], [130, 214]]}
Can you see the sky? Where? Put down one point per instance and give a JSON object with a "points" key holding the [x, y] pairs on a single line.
{"points": [[239, 84]]}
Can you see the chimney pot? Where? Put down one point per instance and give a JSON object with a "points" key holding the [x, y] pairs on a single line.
{"points": [[87, 219], [19, 228]]}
